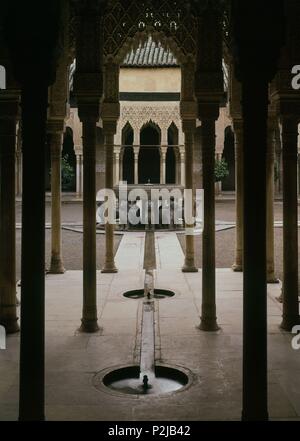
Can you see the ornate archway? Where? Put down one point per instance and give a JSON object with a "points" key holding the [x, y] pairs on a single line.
{"points": [[149, 155], [127, 154]]}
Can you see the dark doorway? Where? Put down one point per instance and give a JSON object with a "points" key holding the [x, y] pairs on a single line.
{"points": [[228, 183], [149, 156], [128, 154], [171, 157], [68, 166]]}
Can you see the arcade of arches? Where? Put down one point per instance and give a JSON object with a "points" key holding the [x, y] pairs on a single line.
{"points": [[152, 93]]}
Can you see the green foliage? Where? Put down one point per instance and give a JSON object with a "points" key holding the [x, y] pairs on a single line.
{"points": [[67, 174], [221, 170]]}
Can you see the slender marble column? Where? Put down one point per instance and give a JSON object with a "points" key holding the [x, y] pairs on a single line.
{"points": [[32, 345], [109, 264], [255, 108], [19, 163], [208, 317], [117, 167], [238, 132], [78, 175], [189, 262], [56, 266], [290, 224], [89, 313], [270, 206], [8, 311], [182, 168], [136, 165], [163, 165]]}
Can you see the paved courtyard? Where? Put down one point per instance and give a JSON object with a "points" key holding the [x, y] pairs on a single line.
{"points": [[76, 362], [72, 237]]}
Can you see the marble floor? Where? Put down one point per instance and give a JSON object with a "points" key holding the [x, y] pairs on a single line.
{"points": [[76, 362]]}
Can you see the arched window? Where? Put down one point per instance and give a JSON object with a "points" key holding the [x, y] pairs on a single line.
{"points": [[171, 156], [149, 156], [68, 162], [2, 77], [228, 184], [128, 154]]}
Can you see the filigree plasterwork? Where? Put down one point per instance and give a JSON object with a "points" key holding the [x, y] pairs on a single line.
{"points": [[139, 114], [128, 23]]}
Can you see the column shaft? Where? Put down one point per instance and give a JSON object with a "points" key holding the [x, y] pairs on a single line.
{"points": [[182, 169], [270, 206], [136, 168], [117, 168], [32, 344], [89, 312], [208, 317], [238, 263], [189, 262], [109, 265], [290, 224], [8, 311], [163, 168], [255, 108], [56, 266], [78, 176]]}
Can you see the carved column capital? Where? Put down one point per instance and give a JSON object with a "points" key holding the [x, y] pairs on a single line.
{"points": [[189, 126], [10, 104]]}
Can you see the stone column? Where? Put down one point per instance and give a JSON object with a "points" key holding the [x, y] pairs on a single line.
{"points": [[290, 223], [254, 257], [88, 89], [19, 163], [32, 347], [56, 265], [177, 155], [136, 151], [182, 167], [189, 131], [109, 264], [121, 166], [163, 153], [198, 179], [78, 175], [255, 68], [117, 165], [208, 316], [270, 203], [89, 311], [238, 135], [8, 117]]}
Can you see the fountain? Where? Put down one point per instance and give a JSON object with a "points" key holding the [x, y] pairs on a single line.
{"points": [[148, 378]]}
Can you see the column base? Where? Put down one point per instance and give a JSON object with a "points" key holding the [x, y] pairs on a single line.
{"points": [[209, 325], [56, 267], [272, 280], [11, 325], [189, 269], [249, 417], [237, 268], [288, 323], [31, 418], [109, 269], [89, 326]]}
